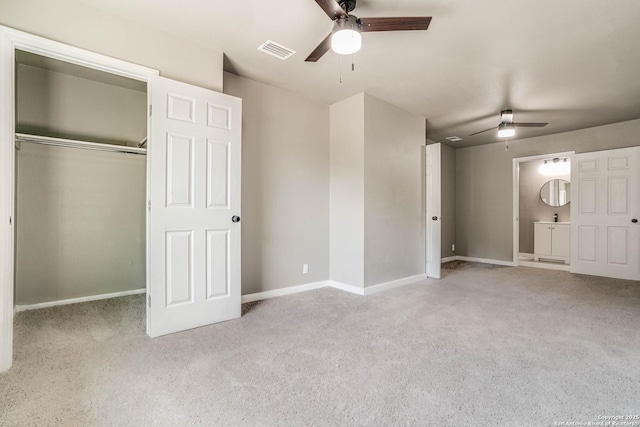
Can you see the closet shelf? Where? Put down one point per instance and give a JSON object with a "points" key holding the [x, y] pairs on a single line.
{"points": [[71, 143]]}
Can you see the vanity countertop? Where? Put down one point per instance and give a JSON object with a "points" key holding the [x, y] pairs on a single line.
{"points": [[551, 222]]}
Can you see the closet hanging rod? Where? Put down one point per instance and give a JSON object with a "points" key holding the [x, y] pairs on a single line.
{"points": [[72, 143]]}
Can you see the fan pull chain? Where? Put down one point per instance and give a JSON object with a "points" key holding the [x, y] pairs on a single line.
{"points": [[340, 68], [506, 144], [353, 65]]}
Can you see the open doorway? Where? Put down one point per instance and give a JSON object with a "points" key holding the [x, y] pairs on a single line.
{"points": [[33, 142], [542, 211], [80, 192]]}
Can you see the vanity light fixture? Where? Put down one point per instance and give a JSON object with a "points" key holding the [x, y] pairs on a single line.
{"points": [[555, 166]]}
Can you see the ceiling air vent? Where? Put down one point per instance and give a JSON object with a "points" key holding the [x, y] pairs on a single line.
{"points": [[453, 138], [277, 50]]}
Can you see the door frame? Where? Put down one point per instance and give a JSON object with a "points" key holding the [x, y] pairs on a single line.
{"points": [[10, 40], [516, 196]]}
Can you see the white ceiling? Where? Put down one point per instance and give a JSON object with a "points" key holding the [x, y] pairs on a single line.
{"points": [[572, 63]]}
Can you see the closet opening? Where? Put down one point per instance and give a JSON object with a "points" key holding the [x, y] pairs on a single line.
{"points": [[80, 183], [542, 211]]}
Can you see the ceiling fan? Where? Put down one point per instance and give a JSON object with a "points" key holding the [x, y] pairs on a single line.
{"points": [[507, 127], [345, 38]]}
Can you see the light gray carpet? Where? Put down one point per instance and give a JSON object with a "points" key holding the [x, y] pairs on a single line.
{"points": [[483, 346]]}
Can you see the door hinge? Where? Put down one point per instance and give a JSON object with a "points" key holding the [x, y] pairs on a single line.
{"points": [[10, 221], [149, 205], [150, 110], [149, 300]]}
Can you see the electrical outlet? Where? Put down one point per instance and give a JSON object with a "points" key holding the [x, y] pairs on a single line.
{"points": [[453, 247], [305, 268]]}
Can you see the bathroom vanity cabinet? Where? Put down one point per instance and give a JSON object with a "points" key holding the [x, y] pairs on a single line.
{"points": [[552, 241]]}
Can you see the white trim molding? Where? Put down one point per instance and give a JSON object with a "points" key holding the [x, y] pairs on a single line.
{"points": [[19, 308], [258, 296], [370, 290], [332, 284], [347, 288], [449, 259]]}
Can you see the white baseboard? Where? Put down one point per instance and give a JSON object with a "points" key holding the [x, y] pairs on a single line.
{"points": [[480, 260], [284, 291], [526, 254], [19, 308], [347, 288], [486, 261], [333, 284], [393, 284]]}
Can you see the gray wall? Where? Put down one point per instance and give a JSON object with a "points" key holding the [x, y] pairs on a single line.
{"points": [[394, 241], [532, 208], [90, 28], [347, 191], [80, 217], [80, 223], [64, 106], [285, 186], [377, 203], [484, 183], [448, 191]]}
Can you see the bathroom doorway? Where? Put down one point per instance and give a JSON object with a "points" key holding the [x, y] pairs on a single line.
{"points": [[542, 203]]}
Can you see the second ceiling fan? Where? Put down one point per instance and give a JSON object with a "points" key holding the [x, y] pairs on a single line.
{"points": [[507, 127], [345, 38]]}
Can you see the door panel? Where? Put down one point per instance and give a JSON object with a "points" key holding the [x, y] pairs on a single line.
{"points": [[179, 284], [180, 170], [218, 158], [194, 157], [605, 241], [588, 243], [217, 261]]}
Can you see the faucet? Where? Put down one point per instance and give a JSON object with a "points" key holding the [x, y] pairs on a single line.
{"points": [[555, 217]]}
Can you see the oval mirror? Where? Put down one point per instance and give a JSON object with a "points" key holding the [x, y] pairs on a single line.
{"points": [[556, 192]]}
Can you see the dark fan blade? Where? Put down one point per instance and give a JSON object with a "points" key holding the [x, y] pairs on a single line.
{"points": [[332, 9], [395, 24], [530, 125], [486, 130], [320, 50]]}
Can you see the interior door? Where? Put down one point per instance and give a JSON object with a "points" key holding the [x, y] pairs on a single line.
{"points": [[434, 203], [605, 207], [194, 211]]}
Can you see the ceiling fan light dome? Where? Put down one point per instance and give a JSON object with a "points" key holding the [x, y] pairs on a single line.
{"points": [[346, 38], [506, 130], [346, 42]]}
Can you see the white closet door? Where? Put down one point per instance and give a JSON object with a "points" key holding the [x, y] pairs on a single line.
{"points": [[434, 208], [605, 208], [194, 189]]}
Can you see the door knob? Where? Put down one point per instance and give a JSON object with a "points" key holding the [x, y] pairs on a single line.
{"points": [[435, 218], [634, 220], [235, 218]]}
